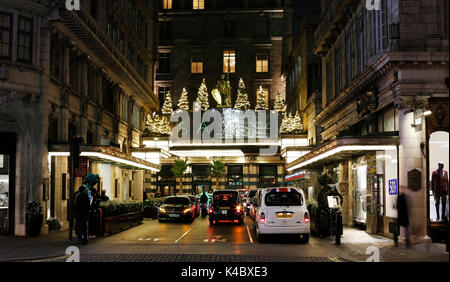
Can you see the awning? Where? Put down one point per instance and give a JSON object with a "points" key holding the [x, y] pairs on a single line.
{"points": [[105, 155], [341, 149]]}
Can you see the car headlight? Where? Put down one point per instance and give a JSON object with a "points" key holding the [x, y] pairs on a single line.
{"points": [[161, 210], [187, 210]]}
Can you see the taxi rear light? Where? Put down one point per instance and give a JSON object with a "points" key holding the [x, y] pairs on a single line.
{"points": [[262, 218], [210, 210], [306, 217]]}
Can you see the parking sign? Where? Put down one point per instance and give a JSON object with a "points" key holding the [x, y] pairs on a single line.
{"points": [[393, 187]]}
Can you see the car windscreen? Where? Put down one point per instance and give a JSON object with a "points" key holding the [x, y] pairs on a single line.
{"points": [[177, 201], [292, 198], [225, 197]]}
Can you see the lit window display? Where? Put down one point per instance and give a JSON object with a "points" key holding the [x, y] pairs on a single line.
{"points": [[438, 171]]}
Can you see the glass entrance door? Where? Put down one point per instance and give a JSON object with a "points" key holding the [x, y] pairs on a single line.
{"points": [[4, 194]]}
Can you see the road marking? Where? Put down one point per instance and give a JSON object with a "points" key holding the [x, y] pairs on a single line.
{"points": [[335, 259], [249, 234], [185, 233]]}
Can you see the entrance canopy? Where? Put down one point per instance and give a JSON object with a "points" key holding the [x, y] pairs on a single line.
{"points": [[105, 155], [340, 149]]}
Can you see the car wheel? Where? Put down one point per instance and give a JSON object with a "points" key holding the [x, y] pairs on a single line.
{"points": [[240, 221], [211, 222], [305, 238]]}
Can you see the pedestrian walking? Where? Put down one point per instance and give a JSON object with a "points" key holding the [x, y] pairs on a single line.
{"points": [[402, 218], [81, 210]]}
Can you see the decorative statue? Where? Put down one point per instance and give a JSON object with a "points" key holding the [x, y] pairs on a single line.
{"points": [[222, 93]]}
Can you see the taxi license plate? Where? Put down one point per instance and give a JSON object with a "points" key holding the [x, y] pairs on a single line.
{"points": [[285, 215], [224, 212], [174, 215]]}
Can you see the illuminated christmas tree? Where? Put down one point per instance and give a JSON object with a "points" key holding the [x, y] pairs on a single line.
{"points": [[167, 107], [242, 102], [202, 98], [261, 100], [290, 123], [280, 105], [157, 124], [284, 128], [183, 103], [297, 123]]}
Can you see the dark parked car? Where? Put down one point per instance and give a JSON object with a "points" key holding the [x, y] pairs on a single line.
{"points": [[176, 208], [195, 204], [226, 206]]}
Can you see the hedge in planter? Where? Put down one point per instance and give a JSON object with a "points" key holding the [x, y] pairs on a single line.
{"points": [[111, 208], [34, 218]]}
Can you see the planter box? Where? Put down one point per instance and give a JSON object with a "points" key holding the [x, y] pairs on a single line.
{"points": [[121, 222]]}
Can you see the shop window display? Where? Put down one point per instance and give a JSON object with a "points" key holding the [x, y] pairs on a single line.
{"points": [[438, 172], [4, 193]]}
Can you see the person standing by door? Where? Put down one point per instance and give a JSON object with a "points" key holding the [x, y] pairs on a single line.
{"points": [[81, 210]]}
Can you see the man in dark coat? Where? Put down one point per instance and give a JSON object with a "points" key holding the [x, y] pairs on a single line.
{"points": [[81, 211], [402, 217]]}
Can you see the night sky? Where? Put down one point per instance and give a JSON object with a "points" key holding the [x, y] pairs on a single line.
{"points": [[302, 7]]}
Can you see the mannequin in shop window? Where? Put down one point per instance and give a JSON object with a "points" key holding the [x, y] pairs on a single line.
{"points": [[439, 186]]}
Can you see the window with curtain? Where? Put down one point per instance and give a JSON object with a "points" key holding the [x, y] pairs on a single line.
{"points": [[164, 62], [262, 62], [6, 24], [196, 64], [136, 117], [229, 61], [198, 4], [167, 4], [25, 40]]}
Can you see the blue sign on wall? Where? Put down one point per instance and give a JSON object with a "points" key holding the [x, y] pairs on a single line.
{"points": [[393, 187]]}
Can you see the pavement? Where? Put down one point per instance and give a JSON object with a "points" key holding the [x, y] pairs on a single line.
{"points": [[198, 241]]}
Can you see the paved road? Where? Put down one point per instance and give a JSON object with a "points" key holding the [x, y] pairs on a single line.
{"points": [[198, 241]]}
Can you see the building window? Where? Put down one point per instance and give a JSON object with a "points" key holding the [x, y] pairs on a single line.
{"points": [[164, 62], [384, 25], [198, 4], [94, 9], [337, 70], [25, 40], [122, 43], [136, 117], [196, 64], [329, 80], [262, 63], [165, 30], [131, 55], [125, 108], [5, 35], [229, 28], [167, 4], [229, 61]]}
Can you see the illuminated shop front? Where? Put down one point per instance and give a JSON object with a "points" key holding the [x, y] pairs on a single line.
{"points": [[364, 171]]}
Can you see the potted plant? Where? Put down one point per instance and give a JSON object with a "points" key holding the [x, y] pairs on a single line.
{"points": [[34, 218], [217, 171], [179, 170]]}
